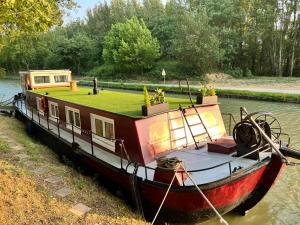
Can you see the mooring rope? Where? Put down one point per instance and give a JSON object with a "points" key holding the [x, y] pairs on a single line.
{"points": [[222, 220], [161, 204]]}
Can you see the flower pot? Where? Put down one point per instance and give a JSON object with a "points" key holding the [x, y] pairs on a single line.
{"points": [[154, 109], [207, 100]]}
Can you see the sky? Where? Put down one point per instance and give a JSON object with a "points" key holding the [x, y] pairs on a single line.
{"points": [[80, 12]]}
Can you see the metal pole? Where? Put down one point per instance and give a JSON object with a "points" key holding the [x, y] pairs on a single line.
{"points": [[73, 133], [58, 127], [121, 156], [230, 124], [32, 113], [39, 117], [92, 147], [48, 121]]}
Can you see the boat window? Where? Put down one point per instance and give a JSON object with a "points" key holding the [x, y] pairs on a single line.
{"points": [[103, 130], [41, 79], [99, 127], [73, 118], [109, 130], [53, 109], [39, 105], [60, 78]]}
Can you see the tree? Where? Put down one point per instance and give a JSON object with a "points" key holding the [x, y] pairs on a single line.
{"points": [[75, 52], [130, 46], [196, 45], [31, 16]]}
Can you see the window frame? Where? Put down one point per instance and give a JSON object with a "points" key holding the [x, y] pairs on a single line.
{"points": [[108, 144], [68, 125], [38, 83], [65, 81], [52, 116]]}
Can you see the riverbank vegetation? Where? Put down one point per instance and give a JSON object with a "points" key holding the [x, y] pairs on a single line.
{"points": [[26, 198], [245, 94], [241, 38]]}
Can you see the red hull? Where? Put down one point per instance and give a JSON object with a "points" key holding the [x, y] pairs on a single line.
{"points": [[242, 192]]}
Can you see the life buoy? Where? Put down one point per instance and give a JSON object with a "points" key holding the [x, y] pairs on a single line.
{"points": [[44, 104]]}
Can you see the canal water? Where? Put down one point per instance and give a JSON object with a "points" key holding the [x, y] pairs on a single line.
{"points": [[282, 203]]}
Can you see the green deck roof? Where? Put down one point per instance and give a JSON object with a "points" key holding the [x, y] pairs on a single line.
{"points": [[124, 103]]}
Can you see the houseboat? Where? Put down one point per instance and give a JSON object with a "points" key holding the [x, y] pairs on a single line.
{"points": [[177, 161]]}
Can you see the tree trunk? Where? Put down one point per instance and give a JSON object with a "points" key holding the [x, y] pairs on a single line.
{"points": [[295, 34]]}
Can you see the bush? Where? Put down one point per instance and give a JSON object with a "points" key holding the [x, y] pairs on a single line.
{"points": [[238, 72], [2, 72], [170, 66], [104, 71]]}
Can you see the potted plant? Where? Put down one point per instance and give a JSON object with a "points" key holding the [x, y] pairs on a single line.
{"points": [[207, 95], [154, 104]]}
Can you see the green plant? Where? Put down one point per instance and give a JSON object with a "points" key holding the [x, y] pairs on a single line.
{"points": [[2, 72], [159, 96], [203, 91], [146, 97], [212, 91]]}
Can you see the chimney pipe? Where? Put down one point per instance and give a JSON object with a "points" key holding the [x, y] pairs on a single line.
{"points": [[95, 91]]}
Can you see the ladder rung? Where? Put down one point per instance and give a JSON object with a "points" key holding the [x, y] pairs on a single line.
{"points": [[198, 135], [177, 128], [175, 118], [172, 140], [186, 115], [195, 124]]}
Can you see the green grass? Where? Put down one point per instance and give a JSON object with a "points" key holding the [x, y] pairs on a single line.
{"points": [[124, 103], [264, 96], [4, 147]]}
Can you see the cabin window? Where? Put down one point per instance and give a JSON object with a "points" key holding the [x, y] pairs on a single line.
{"points": [[41, 79], [103, 130], [73, 118], [53, 110], [39, 105], [60, 79]]}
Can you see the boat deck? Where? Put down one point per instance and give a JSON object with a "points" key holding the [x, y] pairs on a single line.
{"points": [[201, 159], [192, 159]]}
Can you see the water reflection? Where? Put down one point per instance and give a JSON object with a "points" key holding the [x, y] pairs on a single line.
{"points": [[9, 88]]}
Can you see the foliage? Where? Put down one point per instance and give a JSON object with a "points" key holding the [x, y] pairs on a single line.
{"points": [[26, 16], [196, 45], [104, 71], [158, 97], [146, 97], [2, 72], [203, 91], [130, 46], [75, 52]]}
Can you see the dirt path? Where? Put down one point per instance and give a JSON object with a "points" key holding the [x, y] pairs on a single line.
{"points": [[36, 188]]}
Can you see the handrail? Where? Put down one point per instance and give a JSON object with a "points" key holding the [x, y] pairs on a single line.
{"points": [[122, 146], [83, 131], [231, 119]]}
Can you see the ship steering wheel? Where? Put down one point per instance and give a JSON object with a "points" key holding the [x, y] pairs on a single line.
{"points": [[268, 123]]}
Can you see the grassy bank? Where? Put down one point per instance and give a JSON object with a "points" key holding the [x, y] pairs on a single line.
{"points": [[265, 96], [26, 198]]}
